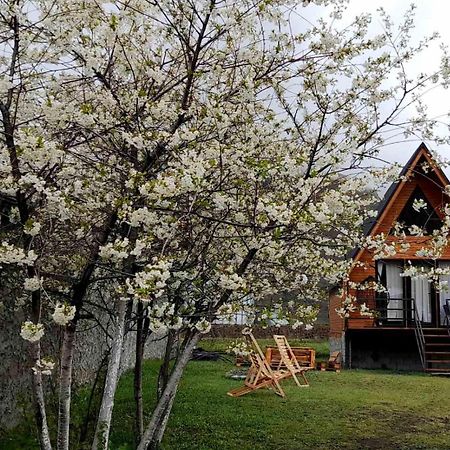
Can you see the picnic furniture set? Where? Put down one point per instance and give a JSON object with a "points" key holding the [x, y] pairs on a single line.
{"points": [[278, 363]]}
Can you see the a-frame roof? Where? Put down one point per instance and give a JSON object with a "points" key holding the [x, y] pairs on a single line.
{"points": [[422, 153]]}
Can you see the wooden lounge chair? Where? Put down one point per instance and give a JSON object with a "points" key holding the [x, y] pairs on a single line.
{"points": [[260, 375], [289, 361]]}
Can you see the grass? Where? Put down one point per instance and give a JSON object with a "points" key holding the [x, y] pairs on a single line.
{"points": [[354, 409]]}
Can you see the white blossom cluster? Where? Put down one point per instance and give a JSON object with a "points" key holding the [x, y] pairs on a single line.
{"points": [[239, 347], [32, 332], [32, 284], [44, 366], [9, 254], [150, 282], [63, 314]]}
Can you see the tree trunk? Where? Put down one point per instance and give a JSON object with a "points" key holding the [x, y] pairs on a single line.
{"points": [[156, 441], [139, 424], [101, 437], [39, 400], [158, 422], [65, 384], [163, 375], [37, 384]]}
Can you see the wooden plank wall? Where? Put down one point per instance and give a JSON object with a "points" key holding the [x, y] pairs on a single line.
{"points": [[431, 185]]}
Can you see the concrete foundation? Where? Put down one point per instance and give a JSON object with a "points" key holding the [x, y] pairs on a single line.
{"points": [[382, 349]]}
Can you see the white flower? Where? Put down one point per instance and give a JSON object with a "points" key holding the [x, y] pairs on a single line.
{"points": [[32, 332], [44, 366], [203, 326], [32, 284], [176, 324], [419, 204], [63, 314], [32, 229], [233, 281], [365, 311]]}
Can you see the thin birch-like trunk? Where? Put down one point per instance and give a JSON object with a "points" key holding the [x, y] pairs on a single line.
{"points": [[36, 383], [156, 441], [158, 421], [101, 437], [139, 356], [65, 385], [163, 375], [39, 400]]}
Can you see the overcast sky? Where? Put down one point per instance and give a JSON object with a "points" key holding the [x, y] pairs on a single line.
{"points": [[431, 15]]}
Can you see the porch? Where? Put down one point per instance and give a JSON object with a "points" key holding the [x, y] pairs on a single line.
{"points": [[400, 335]]}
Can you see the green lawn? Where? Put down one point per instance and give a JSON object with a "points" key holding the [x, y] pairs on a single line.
{"points": [[354, 409]]}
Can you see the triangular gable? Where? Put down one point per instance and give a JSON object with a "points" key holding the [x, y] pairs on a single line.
{"points": [[405, 188], [422, 215]]}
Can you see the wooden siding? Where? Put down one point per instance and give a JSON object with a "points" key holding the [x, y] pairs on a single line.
{"points": [[336, 322], [431, 183]]}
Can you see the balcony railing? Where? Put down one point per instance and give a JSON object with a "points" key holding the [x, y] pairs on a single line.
{"points": [[395, 312]]}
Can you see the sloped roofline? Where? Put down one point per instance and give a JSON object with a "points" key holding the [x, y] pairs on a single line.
{"points": [[395, 188]]}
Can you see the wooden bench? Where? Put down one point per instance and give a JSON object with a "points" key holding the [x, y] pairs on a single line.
{"points": [[306, 356]]}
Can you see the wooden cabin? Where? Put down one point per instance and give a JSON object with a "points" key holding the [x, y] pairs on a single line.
{"points": [[408, 330]]}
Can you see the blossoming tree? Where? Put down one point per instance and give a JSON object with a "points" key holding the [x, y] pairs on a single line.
{"points": [[200, 155]]}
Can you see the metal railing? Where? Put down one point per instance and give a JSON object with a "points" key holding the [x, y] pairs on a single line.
{"points": [[420, 338], [393, 311]]}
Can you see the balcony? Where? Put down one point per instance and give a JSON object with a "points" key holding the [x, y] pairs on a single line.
{"points": [[388, 313]]}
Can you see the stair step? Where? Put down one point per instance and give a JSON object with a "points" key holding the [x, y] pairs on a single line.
{"points": [[436, 361], [437, 335], [438, 353], [447, 371], [437, 344]]}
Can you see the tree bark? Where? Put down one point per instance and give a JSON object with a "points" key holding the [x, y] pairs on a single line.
{"points": [[39, 400], [163, 375], [65, 385], [139, 419], [156, 441], [158, 421], [101, 437]]}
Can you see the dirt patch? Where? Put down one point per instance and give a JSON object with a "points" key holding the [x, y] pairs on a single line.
{"points": [[395, 425]]}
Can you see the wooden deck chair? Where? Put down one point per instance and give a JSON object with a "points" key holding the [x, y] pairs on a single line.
{"points": [[260, 375], [289, 360]]}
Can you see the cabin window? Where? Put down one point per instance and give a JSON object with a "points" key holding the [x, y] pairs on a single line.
{"points": [[399, 288], [418, 212]]}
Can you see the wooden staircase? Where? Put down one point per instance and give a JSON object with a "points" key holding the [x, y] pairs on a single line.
{"points": [[437, 350]]}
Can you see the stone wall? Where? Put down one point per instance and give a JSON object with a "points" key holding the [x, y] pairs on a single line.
{"points": [[320, 331], [15, 366]]}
